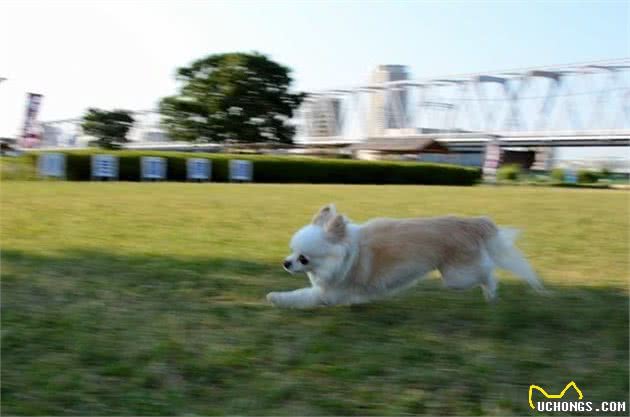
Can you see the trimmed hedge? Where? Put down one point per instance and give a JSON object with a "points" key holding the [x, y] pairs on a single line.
{"points": [[510, 172], [583, 176], [587, 177], [557, 175], [17, 168], [281, 169]]}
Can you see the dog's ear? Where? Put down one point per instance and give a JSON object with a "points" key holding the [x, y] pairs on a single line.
{"points": [[336, 228], [324, 215]]}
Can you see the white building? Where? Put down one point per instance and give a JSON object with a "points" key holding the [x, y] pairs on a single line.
{"points": [[388, 107], [322, 117]]}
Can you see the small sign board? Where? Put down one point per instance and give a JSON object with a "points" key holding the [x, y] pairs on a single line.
{"points": [[199, 169], [52, 165], [153, 168], [570, 176], [104, 166], [241, 170]]}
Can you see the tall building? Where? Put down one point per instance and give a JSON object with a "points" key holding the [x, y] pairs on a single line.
{"points": [[322, 117], [388, 108]]}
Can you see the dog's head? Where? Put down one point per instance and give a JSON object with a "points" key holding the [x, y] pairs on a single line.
{"points": [[320, 245]]}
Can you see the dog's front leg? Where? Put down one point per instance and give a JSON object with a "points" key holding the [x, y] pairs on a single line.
{"points": [[302, 298]]}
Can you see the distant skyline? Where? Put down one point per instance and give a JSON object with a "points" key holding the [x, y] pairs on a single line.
{"points": [[124, 54]]}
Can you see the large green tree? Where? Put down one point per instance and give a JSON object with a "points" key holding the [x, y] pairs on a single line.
{"points": [[108, 127], [233, 96]]}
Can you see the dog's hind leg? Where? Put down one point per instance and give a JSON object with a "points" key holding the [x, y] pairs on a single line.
{"points": [[489, 288], [461, 277], [472, 274]]}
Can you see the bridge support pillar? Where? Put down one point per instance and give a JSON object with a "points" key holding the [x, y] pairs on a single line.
{"points": [[543, 159]]}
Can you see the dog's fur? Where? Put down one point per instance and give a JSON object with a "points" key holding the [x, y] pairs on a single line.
{"points": [[349, 263]]}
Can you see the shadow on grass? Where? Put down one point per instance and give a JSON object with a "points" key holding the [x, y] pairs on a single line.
{"points": [[89, 332]]}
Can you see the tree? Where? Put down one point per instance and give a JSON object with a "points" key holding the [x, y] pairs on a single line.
{"points": [[233, 96], [109, 127]]}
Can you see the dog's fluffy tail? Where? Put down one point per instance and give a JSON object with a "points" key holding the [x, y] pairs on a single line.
{"points": [[505, 255]]}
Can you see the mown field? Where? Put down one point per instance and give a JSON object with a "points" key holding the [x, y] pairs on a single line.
{"points": [[148, 299]]}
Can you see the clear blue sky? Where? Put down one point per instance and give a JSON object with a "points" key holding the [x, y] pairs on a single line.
{"points": [[124, 53]]}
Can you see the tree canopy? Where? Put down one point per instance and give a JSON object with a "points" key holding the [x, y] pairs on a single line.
{"points": [[232, 96], [109, 127]]}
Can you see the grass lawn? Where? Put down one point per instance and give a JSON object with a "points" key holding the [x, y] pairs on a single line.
{"points": [[148, 299]]}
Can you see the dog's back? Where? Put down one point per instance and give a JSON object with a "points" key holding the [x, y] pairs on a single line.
{"points": [[465, 250], [438, 239]]}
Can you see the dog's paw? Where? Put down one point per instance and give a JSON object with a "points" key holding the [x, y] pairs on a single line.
{"points": [[273, 298]]}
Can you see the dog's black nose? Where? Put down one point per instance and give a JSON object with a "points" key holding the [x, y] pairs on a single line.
{"points": [[287, 264]]}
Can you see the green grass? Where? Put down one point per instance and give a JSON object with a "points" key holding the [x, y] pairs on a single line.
{"points": [[17, 168], [148, 299]]}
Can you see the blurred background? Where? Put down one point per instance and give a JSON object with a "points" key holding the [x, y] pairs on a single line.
{"points": [[127, 289], [513, 69]]}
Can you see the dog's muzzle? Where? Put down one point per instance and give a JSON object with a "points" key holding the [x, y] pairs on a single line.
{"points": [[287, 266]]}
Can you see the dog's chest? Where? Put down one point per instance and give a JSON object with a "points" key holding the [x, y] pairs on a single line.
{"points": [[321, 281], [315, 281]]}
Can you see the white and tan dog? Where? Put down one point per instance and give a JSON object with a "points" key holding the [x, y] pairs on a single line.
{"points": [[349, 263]]}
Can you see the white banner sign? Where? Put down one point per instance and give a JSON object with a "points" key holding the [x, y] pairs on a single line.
{"points": [[52, 165], [241, 170], [153, 168], [104, 166], [198, 169]]}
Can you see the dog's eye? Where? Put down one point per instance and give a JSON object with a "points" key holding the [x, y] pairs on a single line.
{"points": [[302, 259]]}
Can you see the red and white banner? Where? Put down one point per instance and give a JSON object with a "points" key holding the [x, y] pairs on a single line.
{"points": [[492, 160], [31, 133]]}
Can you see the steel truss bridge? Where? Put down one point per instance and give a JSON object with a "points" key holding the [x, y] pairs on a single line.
{"points": [[582, 104]]}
